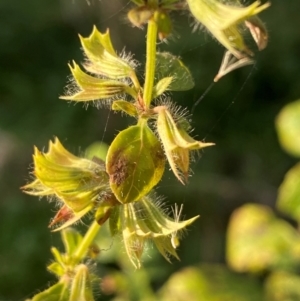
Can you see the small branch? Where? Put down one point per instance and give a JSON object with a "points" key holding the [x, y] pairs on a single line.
{"points": [[150, 62], [87, 241]]}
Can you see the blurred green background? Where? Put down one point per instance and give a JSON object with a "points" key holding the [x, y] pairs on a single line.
{"points": [[39, 38]]}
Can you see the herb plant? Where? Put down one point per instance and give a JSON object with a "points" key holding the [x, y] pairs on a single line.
{"points": [[118, 189]]}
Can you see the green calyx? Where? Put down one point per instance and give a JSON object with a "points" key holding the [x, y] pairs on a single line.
{"points": [[77, 183], [177, 143], [144, 221], [224, 21], [111, 73]]}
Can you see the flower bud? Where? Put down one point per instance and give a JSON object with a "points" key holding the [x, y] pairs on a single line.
{"points": [[81, 289], [139, 16], [177, 143], [164, 24]]}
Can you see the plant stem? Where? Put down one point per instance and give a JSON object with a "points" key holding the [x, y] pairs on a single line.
{"points": [[150, 62], [87, 241]]}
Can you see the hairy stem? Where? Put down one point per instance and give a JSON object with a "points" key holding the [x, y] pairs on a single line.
{"points": [[87, 241], [150, 62]]}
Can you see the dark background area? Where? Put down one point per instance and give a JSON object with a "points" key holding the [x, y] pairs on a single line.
{"points": [[39, 38]]}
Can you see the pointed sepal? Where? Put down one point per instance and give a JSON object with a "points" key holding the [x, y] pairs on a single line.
{"points": [[92, 88]]}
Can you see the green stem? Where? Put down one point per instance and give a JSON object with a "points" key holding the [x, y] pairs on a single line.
{"points": [[150, 62], [87, 241]]}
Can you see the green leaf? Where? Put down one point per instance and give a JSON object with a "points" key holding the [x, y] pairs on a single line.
{"points": [[71, 240], [210, 283], [57, 292], [162, 86], [125, 106], [168, 65], [282, 286], [102, 56], [93, 88], [288, 128], [135, 163], [257, 240], [288, 200]]}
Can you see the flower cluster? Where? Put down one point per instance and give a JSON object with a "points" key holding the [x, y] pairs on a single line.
{"points": [[80, 186], [119, 190]]}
